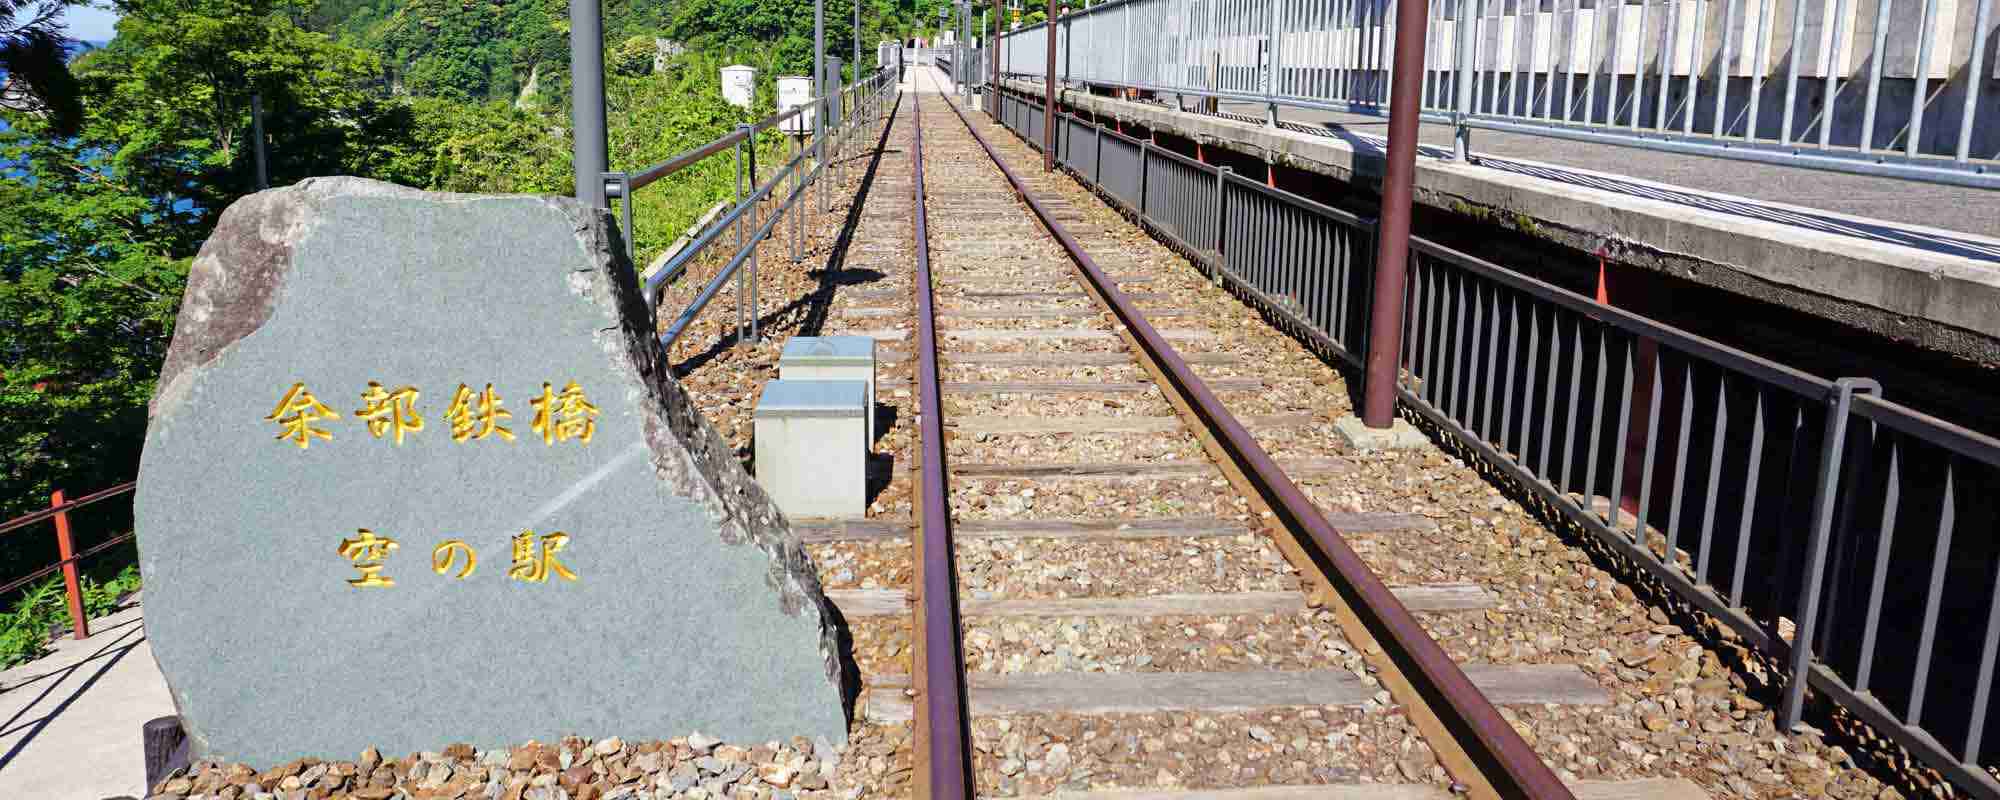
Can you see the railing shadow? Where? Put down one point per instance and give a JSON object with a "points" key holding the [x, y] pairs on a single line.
{"points": [[107, 657], [806, 314]]}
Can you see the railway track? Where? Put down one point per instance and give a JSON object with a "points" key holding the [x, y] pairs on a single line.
{"points": [[1109, 581]]}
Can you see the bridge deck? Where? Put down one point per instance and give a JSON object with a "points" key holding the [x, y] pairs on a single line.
{"points": [[1038, 536]]}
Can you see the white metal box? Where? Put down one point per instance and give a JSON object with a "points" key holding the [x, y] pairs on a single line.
{"points": [[739, 85], [839, 358], [795, 91], [810, 442]]}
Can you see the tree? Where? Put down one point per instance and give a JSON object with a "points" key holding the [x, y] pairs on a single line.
{"points": [[88, 291], [34, 62], [169, 104]]}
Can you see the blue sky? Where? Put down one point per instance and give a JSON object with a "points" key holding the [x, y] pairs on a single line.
{"points": [[90, 23]]}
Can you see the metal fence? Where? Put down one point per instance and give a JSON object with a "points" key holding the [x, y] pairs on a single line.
{"points": [[853, 110], [66, 556], [1904, 88], [1777, 502]]}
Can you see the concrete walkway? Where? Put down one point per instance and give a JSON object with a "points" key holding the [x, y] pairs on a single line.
{"points": [[70, 722]]}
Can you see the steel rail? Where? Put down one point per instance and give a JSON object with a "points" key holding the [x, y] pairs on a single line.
{"points": [[942, 683], [1501, 755]]}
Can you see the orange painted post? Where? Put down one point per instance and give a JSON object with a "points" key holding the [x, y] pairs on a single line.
{"points": [[71, 588]]}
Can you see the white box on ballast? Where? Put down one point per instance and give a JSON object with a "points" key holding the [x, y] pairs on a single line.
{"points": [[810, 440], [839, 358]]}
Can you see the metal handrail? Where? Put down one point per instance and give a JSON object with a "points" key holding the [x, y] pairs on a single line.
{"points": [[622, 186], [59, 511], [46, 513]]}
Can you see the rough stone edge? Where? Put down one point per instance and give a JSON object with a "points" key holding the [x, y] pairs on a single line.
{"points": [[1922, 331], [743, 512], [263, 262]]}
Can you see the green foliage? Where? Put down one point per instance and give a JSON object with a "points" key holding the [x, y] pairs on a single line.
{"points": [[88, 290], [633, 58], [97, 229], [170, 103], [34, 56], [24, 629], [471, 50], [653, 119]]}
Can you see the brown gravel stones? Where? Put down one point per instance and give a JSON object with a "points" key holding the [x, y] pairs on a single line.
{"points": [[693, 766]]}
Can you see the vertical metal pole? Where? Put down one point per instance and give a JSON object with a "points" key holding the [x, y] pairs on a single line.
{"points": [[1049, 99], [257, 133], [1145, 158], [625, 200], [819, 91], [819, 152], [740, 287], [1831, 460], [857, 49], [1271, 79], [999, 22], [591, 157], [66, 548], [1462, 32], [1221, 184], [756, 237], [1392, 240], [798, 203]]}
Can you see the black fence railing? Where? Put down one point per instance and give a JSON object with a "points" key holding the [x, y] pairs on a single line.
{"points": [[1847, 538]]}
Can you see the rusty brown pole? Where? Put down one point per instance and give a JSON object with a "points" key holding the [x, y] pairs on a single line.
{"points": [[1049, 99], [1392, 239], [999, 25], [66, 550]]}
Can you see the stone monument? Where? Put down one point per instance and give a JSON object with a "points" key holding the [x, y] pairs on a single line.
{"points": [[417, 473]]}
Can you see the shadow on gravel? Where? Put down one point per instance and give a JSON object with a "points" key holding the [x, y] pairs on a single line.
{"points": [[806, 314]]}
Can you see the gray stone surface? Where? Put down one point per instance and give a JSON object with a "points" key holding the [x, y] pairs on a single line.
{"points": [[693, 604]]}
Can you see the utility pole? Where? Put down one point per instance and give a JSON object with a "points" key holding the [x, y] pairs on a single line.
{"points": [[1049, 96], [257, 132], [965, 73], [591, 156], [999, 21], [857, 40], [1392, 252]]}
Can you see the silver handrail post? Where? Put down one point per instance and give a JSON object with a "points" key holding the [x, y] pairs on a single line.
{"points": [[740, 287], [797, 209], [1221, 185], [756, 195]]}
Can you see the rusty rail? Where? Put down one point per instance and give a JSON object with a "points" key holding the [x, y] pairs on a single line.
{"points": [[1498, 753], [941, 682]]}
